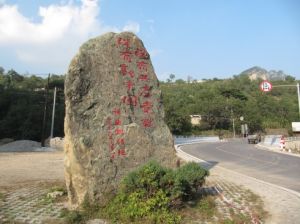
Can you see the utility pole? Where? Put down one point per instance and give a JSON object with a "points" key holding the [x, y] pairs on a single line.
{"points": [[233, 125], [298, 91], [45, 113], [53, 113]]}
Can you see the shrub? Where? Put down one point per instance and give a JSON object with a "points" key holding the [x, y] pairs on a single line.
{"points": [[191, 177], [145, 178], [151, 192]]}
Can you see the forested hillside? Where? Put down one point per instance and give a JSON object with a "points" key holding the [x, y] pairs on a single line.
{"points": [[22, 103], [219, 101]]}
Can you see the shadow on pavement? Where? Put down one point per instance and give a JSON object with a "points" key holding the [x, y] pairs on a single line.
{"points": [[208, 164]]}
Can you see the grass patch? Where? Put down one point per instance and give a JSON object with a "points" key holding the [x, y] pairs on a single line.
{"points": [[55, 194], [257, 205], [2, 196], [203, 209]]}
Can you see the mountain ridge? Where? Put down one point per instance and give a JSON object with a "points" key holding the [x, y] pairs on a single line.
{"points": [[257, 72]]}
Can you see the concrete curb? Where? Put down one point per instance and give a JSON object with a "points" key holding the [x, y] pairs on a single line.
{"points": [[195, 159], [268, 148]]}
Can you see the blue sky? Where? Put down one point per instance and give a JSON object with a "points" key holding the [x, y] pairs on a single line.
{"points": [[198, 38]]}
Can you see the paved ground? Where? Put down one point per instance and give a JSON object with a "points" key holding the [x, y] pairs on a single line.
{"points": [[18, 168], [27, 178], [29, 204], [276, 168], [282, 205]]}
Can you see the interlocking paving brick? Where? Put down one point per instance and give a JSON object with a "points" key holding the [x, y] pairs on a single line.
{"points": [[27, 204]]}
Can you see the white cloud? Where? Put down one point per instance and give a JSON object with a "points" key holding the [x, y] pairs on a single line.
{"points": [[55, 39], [132, 27], [57, 21], [155, 52], [151, 27]]}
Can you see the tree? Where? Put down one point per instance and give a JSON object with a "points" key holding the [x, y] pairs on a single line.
{"points": [[290, 78], [2, 70], [179, 81], [178, 123], [172, 77]]}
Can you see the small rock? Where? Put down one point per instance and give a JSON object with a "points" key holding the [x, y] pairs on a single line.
{"points": [[55, 194], [57, 143], [96, 221]]}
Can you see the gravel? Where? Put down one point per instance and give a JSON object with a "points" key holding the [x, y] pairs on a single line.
{"points": [[24, 146]]}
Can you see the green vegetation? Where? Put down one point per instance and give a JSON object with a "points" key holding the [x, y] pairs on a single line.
{"points": [[150, 194], [218, 101], [2, 196], [22, 99], [22, 103]]}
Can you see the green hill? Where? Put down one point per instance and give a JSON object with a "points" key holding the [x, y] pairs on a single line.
{"points": [[22, 102], [219, 101]]}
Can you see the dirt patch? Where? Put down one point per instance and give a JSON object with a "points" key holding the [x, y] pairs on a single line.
{"points": [[19, 168]]}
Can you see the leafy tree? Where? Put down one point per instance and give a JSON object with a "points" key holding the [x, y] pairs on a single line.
{"points": [[179, 81], [290, 78], [22, 106], [2, 70], [179, 124], [172, 77]]}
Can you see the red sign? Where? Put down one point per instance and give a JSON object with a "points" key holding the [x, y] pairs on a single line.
{"points": [[265, 86]]}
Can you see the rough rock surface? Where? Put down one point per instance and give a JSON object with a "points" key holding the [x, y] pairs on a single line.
{"points": [[57, 143], [114, 116]]}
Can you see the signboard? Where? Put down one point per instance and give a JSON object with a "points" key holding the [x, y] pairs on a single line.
{"points": [[244, 129], [296, 126], [265, 86]]}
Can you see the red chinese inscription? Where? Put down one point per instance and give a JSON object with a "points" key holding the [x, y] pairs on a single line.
{"points": [[123, 68], [112, 156], [121, 152], [141, 53], [119, 131], [145, 91], [130, 100], [116, 111], [121, 141], [142, 65], [124, 42], [147, 122], [126, 55], [147, 107], [131, 74], [143, 77], [111, 146], [118, 122], [129, 85]]}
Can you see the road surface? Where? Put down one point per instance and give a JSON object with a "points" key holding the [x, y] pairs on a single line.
{"points": [[276, 168]]}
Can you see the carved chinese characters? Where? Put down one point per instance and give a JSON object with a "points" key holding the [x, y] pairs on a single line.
{"points": [[114, 116]]}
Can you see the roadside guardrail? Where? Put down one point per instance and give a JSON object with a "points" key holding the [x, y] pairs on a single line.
{"points": [[272, 140], [195, 139]]}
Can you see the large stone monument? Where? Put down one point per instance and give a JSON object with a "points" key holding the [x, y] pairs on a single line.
{"points": [[114, 116]]}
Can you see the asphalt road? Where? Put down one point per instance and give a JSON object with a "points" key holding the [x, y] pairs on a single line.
{"points": [[239, 156]]}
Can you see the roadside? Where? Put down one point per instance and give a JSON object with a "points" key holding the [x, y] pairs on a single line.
{"points": [[276, 149], [27, 178], [282, 205]]}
